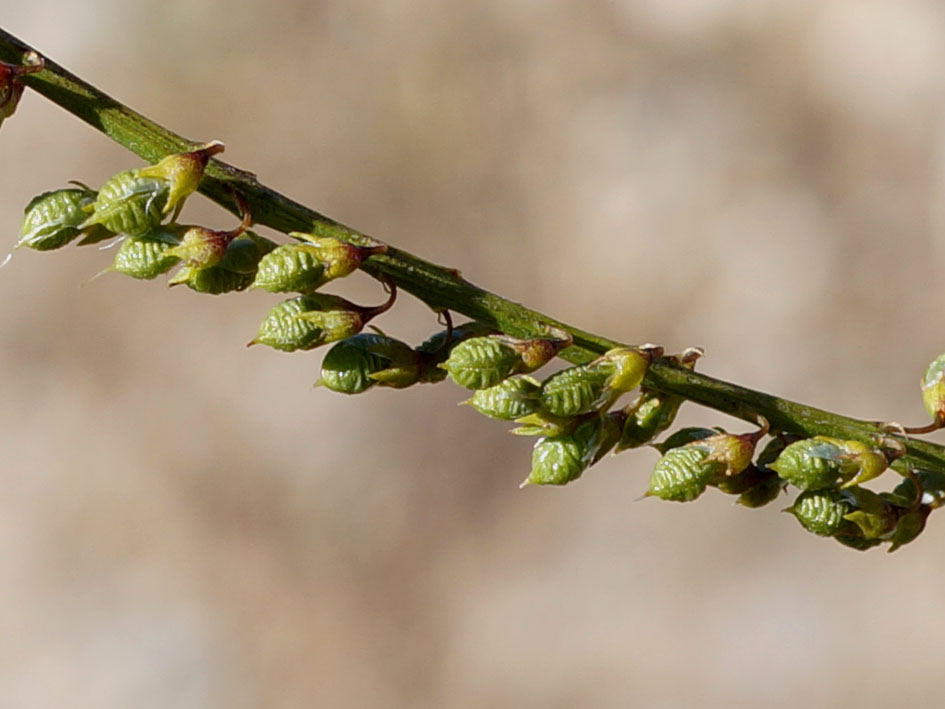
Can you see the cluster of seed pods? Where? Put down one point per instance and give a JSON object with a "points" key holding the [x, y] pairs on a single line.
{"points": [[139, 209]]}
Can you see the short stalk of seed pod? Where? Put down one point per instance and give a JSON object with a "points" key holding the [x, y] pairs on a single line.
{"points": [[182, 172], [683, 473], [303, 268], [598, 384], [654, 411], [563, 459], [350, 365], [11, 88], [483, 362], [309, 321], [53, 219]]}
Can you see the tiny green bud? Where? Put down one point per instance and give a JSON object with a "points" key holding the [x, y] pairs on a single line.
{"points": [[822, 511], [560, 460], [517, 396], [129, 204], [53, 219], [933, 389]]}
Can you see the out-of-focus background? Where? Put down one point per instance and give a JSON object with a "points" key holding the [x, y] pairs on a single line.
{"points": [[185, 522]]}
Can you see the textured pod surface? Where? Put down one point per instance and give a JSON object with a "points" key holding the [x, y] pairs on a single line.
{"points": [[482, 362], [129, 204], [821, 511], [559, 460], [214, 280], [53, 219], [517, 396], [933, 388], [347, 366], [309, 321], [812, 464], [576, 390], [145, 256], [291, 268], [682, 474]]}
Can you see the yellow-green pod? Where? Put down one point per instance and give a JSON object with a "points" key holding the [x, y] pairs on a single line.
{"points": [[813, 464], [129, 204], [649, 417], [234, 272], [482, 362], [596, 385], [347, 367], [560, 460], [822, 512], [933, 388], [53, 219], [145, 256], [181, 172], [875, 516], [682, 474], [517, 396]]}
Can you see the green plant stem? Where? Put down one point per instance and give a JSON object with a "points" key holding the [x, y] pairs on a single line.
{"points": [[441, 288]]}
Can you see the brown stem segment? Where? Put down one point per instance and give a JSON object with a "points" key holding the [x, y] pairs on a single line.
{"points": [[441, 288]]}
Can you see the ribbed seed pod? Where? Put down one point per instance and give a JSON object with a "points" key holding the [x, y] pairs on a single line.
{"points": [[813, 464], [483, 362], [560, 460], [347, 367], [594, 386], [53, 219], [302, 268], [145, 256], [129, 204], [312, 320], [682, 474], [435, 350], [822, 511], [517, 396]]}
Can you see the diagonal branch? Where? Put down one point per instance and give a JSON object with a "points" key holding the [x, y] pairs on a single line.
{"points": [[439, 287]]}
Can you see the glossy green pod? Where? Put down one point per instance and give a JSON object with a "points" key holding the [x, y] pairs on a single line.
{"points": [[145, 256], [55, 218], [347, 367], [290, 268], [563, 459], [682, 474], [649, 417], [234, 272], [813, 464], [822, 512], [594, 386], [517, 396], [482, 362], [129, 204]]}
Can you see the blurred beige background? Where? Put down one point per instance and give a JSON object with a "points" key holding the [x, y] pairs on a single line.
{"points": [[187, 523]]}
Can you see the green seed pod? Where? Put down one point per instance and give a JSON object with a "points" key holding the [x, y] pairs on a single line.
{"points": [[766, 490], [682, 474], [875, 517], [182, 172], [291, 268], [596, 385], [483, 362], [53, 219], [145, 256], [813, 464], [560, 460], [434, 351], [517, 396], [649, 417], [822, 511], [909, 526], [347, 367], [309, 321], [933, 389], [129, 204], [541, 423], [11, 89]]}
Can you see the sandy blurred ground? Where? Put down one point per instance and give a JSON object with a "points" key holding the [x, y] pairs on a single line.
{"points": [[186, 523]]}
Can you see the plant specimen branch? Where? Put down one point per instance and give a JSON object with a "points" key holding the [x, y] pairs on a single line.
{"points": [[445, 288]]}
